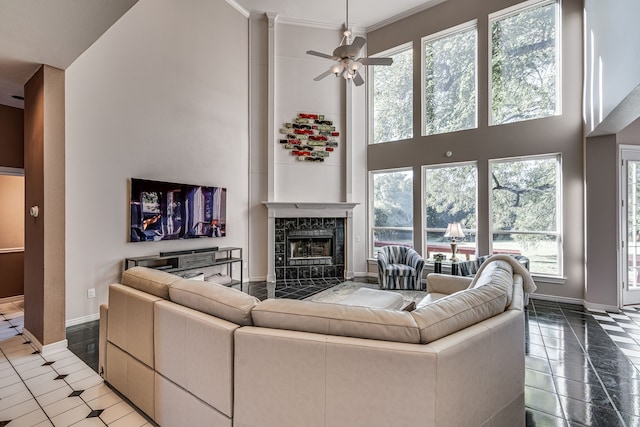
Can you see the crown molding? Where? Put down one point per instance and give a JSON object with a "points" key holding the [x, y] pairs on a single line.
{"points": [[234, 4], [403, 15], [318, 24]]}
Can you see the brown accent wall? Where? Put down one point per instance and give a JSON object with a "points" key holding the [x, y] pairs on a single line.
{"points": [[12, 267], [44, 276], [558, 134], [11, 137]]}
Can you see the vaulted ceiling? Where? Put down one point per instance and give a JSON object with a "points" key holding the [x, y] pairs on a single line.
{"points": [[35, 32]]}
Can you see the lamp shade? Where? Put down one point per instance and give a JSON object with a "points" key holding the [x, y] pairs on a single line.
{"points": [[454, 229]]}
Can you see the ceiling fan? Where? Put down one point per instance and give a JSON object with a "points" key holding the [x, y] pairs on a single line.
{"points": [[346, 54]]}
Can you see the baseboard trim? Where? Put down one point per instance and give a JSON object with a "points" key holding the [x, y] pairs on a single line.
{"points": [[7, 300], [602, 307], [81, 320], [45, 350], [577, 301]]}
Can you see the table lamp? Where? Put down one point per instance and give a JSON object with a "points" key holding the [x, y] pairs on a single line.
{"points": [[454, 229]]}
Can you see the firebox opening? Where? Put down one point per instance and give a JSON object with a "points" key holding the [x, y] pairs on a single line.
{"points": [[310, 248]]}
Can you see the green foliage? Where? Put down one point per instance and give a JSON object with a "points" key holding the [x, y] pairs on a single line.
{"points": [[450, 82], [524, 65], [393, 99], [393, 199], [524, 195], [450, 196]]}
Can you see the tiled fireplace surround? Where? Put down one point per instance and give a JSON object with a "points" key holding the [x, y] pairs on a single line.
{"points": [[310, 221], [309, 248]]}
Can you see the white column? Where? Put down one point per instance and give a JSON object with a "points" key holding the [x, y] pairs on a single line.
{"points": [[271, 109]]}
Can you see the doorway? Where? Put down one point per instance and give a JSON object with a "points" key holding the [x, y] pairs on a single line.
{"points": [[11, 232], [630, 225]]}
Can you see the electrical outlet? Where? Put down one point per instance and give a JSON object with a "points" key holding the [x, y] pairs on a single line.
{"points": [[91, 293]]}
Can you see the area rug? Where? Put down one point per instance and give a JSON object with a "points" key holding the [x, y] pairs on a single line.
{"points": [[343, 290]]}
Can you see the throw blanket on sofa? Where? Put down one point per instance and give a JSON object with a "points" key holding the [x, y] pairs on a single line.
{"points": [[528, 284]]}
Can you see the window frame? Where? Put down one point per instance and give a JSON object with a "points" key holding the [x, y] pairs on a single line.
{"points": [[473, 24], [424, 204], [370, 217], [408, 46], [559, 233], [506, 13]]}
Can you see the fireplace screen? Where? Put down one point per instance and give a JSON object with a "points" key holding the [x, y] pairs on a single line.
{"points": [[309, 247]]}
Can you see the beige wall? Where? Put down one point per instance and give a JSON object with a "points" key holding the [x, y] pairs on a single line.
{"points": [[11, 235], [11, 137], [560, 134], [162, 95], [11, 212]]}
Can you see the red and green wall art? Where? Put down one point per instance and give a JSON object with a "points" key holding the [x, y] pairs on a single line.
{"points": [[310, 137]]}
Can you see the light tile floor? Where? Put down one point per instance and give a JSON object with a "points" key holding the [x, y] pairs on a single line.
{"points": [[57, 390], [582, 369]]}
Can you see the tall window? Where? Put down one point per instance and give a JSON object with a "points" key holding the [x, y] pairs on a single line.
{"points": [[392, 96], [526, 211], [392, 208], [450, 195], [449, 76], [525, 65]]}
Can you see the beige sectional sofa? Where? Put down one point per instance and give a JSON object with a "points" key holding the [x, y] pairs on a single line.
{"points": [[194, 353]]}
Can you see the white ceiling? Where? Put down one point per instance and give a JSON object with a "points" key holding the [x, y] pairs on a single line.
{"points": [[53, 32], [56, 32], [364, 14]]}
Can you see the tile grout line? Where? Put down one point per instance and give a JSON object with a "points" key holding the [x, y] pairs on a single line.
{"points": [[615, 407], [53, 368], [18, 373]]}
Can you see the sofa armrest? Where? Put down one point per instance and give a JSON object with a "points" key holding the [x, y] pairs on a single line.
{"points": [[447, 284], [383, 260], [102, 340], [415, 260]]}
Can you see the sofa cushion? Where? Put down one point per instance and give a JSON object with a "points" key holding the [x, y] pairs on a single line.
{"points": [[149, 280], [337, 319], [400, 270], [217, 300], [458, 311], [498, 273]]}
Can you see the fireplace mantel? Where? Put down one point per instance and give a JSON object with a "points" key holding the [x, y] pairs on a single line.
{"points": [[311, 210]]}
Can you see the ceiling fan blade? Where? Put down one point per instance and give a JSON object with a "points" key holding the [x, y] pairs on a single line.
{"points": [[357, 79], [320, 54], [376, 61], [323, 75], [358, 43]]}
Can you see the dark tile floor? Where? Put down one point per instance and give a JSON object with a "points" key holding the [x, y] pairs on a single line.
{"points": [[83, 342], [579, 364], [576, 374]]}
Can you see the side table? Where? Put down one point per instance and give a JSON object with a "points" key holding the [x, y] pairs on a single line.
{"points": [[437, 266]]}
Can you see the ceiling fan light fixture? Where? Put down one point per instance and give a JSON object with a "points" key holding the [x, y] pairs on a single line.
{"points": [[349, 63]]}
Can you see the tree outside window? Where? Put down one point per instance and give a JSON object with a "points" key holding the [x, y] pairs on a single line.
{"points": [[525, 63], [392, 200], [526, 211], [392, 96], [449, 98], [450, 195]]}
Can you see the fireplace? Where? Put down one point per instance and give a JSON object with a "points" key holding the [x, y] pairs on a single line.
{"points": [[309, 220], [309, 248]]}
